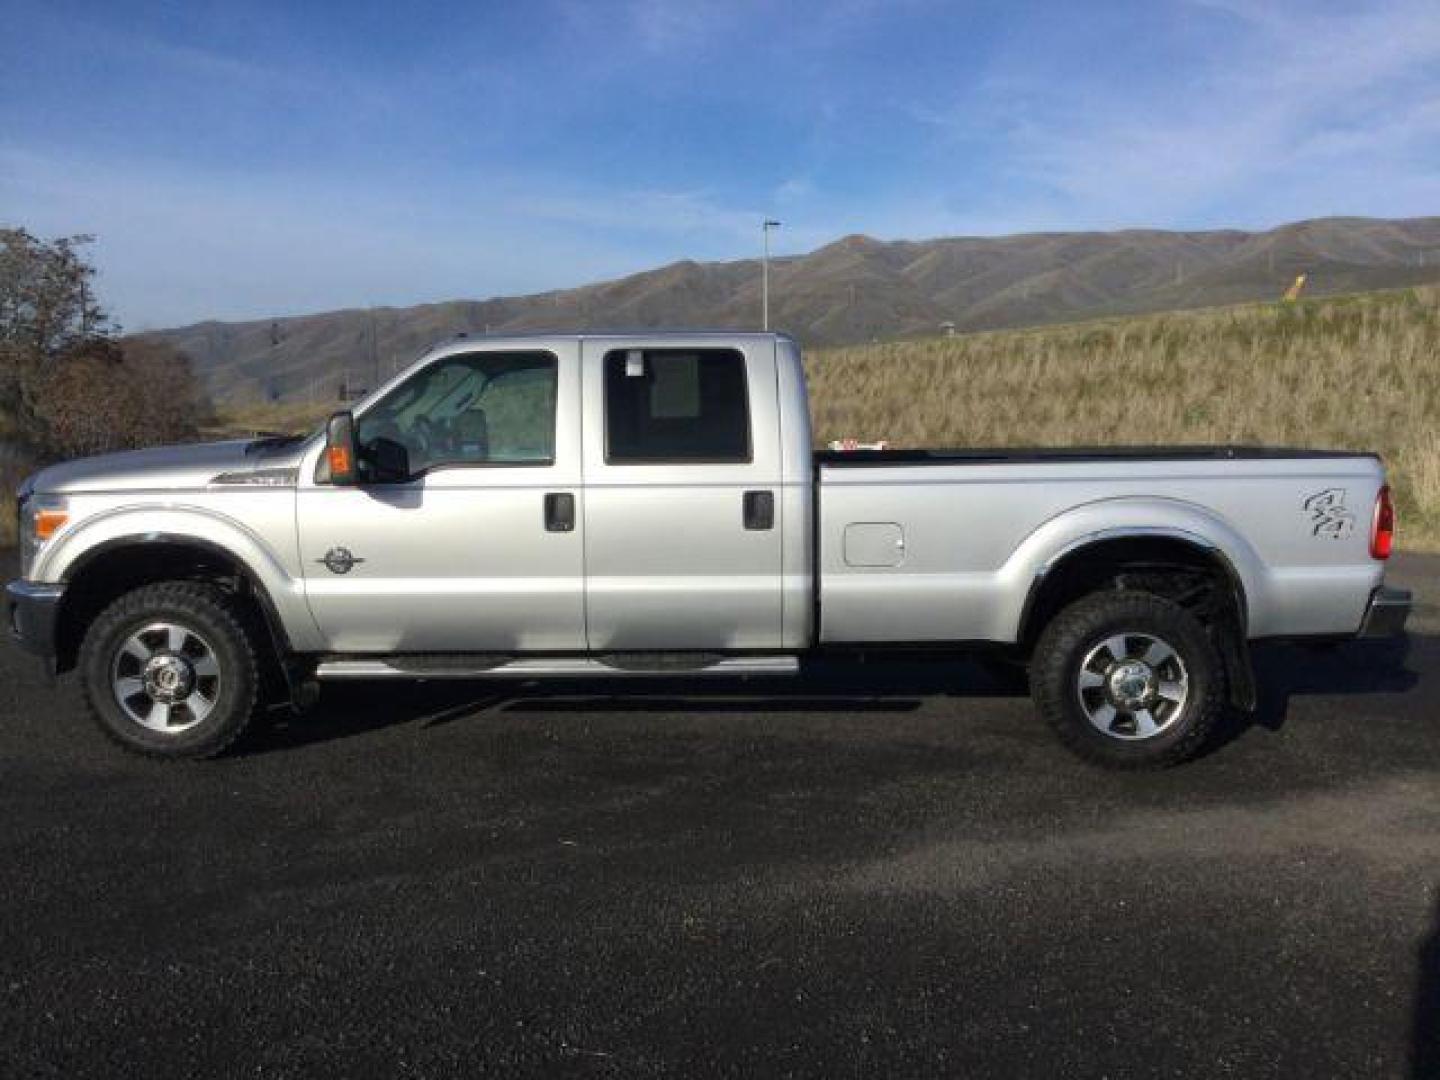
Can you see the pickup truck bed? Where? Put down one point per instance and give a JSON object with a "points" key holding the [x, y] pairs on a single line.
{"points": [[950, 545]]}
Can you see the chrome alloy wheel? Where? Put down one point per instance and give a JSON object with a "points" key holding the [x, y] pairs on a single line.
{"points": [[1132, 686], [166, 678]]}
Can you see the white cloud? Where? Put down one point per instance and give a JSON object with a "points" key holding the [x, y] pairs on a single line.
{"points": [[176, 245], [795, 189], [677, 213], [658, 27], [666, 24], [1287, 103]]}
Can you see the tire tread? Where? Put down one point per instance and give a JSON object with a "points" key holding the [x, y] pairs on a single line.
{"points": [[191, 597], [1072, 628]]}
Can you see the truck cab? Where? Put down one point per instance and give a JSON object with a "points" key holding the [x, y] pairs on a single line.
{"points": [[567, 495]]}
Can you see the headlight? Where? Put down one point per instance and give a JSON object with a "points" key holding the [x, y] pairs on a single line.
{"points": [[41, 517]]}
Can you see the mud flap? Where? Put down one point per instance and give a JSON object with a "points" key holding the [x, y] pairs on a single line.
{"points": [[1239, 669]]}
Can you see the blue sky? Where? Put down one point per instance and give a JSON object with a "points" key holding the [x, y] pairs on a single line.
{"points": [[238, 160]]}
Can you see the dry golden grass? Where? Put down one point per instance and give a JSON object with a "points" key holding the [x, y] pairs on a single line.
{"points": [[1359, 372]]}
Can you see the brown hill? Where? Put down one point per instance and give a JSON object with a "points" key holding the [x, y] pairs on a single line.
{"points": [[856, 289]]}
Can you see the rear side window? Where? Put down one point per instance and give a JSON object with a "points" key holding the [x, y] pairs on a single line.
{"points": [[676, 405]]}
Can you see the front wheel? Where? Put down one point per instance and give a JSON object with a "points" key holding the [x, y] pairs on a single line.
{"points": [[1129, 680], [169, 671]]}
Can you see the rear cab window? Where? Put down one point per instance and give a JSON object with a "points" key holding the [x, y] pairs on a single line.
{"points": [[667, 406]]}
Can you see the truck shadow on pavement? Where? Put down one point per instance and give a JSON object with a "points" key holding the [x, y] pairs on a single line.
{"points": [[831, 685], [1283, 671], [1425, 1024]]}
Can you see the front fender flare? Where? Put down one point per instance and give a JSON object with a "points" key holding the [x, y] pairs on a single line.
{"points": [[199, 526]]}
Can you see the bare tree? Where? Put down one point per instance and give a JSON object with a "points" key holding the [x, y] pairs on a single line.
{"points": [[104, 395], [67, 384], [47, 309]]}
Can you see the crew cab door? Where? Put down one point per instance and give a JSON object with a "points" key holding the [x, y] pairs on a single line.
{"points": [[480, 546], [682, 471]]}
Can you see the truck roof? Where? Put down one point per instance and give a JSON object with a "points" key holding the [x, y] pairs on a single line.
{"points": [[530, 337]]}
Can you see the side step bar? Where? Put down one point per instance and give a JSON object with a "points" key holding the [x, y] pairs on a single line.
{"points": [[454, 667]]}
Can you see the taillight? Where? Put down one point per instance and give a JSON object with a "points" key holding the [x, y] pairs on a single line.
{"points": [[1382, 526]]}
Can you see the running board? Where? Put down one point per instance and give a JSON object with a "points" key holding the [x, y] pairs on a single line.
{"points": [[455, 667]]}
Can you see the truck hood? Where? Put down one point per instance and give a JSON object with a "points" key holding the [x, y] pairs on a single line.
{"points": [[268, 462]]}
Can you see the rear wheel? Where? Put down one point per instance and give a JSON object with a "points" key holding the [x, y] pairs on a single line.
{"points": [[169, 671], [1129, 680]]}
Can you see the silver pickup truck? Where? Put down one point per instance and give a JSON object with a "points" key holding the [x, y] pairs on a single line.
{"points": [[626, 505]]}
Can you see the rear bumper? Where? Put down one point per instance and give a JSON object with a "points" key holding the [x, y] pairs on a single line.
{"points": [[1386, 613], [32, 610]]}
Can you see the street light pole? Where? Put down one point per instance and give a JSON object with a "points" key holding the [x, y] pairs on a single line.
{"points": [[765, 228]]}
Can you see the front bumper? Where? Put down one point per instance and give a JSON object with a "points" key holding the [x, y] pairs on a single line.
{"points": [[33, 609], [1386, 613]]}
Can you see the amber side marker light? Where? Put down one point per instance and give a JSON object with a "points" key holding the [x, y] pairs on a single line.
{"points": [[1382, 525], [339, 461], [48, 523]]}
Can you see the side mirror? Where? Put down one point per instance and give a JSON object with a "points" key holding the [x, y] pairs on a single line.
{"points": [[340, 449], [389, 461]]}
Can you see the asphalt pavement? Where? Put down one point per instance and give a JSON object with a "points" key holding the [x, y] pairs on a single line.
{"points": [[881, 870]]}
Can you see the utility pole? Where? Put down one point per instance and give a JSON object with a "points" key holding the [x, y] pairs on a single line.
{"points": [[374, 351], [765, 228]]}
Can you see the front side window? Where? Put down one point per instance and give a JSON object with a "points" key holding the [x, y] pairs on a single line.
{"points": [[474, 409], [676, 405]]}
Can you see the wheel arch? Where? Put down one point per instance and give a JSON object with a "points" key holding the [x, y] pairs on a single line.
{"points": [[1184, 564], [1100, 525], [110, 568], [1078, 566]]}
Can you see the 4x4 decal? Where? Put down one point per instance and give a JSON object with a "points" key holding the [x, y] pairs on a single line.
{"points": [[1331, 518]]}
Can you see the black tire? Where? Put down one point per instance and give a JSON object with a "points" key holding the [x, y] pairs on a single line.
{"points": [[216, 630], [1080, 633]]}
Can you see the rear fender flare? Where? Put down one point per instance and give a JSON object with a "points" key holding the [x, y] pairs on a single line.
{"points": [[1128, 518]]}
